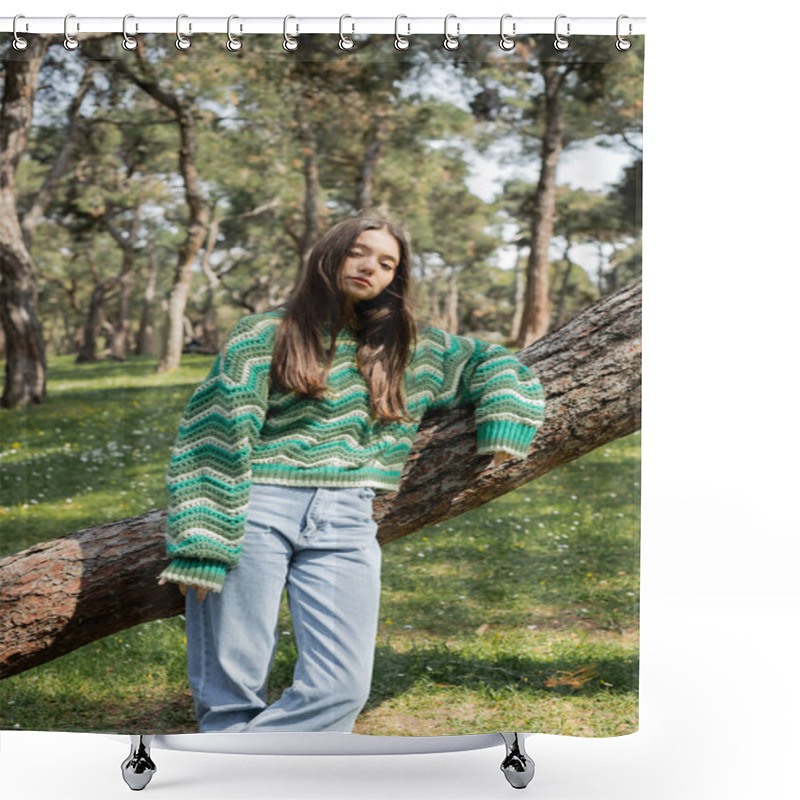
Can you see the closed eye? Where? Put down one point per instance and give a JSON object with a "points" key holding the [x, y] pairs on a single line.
{"points": [[358, 252]]}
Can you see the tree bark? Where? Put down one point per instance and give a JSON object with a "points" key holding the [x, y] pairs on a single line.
{"points": [[430, 279], [311, 220], [122, 325], [564, 288], [198, 210], [195, 236], [61, 594], [519, 297], [75, 133], [145, 338], [96, 316], [26, 368], [206, 330], [94, 323], [537, 307], [451, 303], [373, 152]]}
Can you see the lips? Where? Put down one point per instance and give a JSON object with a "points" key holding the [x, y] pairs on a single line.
{"points": [[361, 281]]}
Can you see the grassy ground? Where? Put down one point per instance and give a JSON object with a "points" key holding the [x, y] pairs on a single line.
{"points": [[522, 614]]}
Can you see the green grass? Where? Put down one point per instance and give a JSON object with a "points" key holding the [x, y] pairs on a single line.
{"points": [[95, 451], [520, 614]]}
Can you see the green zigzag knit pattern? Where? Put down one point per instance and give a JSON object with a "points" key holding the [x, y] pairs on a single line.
{"points": [[236, 431]]}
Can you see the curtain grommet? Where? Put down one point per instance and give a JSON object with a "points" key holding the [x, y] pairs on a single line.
{"points": [[182, 42], [507, 42], [233, 44], [560, 42], [128, 42], [401, 42], [290, 43], [19, 42], [451, 42], [70, 41], [345, 42]]}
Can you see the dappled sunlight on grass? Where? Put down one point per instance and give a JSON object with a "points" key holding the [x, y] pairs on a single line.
{"points": [[95, 452]]}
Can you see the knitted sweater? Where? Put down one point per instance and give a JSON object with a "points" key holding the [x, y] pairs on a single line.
{"points": [[237, 431]]}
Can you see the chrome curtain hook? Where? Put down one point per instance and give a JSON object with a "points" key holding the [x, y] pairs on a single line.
{"points": [[623, 44], [450, 41], [507, 42], [128, 42], [400, 42], [20, 42], [561, 43], [289, 42], [345, 42], [70, 42], [181, 42], [233, 44]]}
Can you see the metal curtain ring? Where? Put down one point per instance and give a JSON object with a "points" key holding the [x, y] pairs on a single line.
{"points": [[70, 42], [506, 41], [19, 42], [181, 42], [289, 42], [128, 42], [233, 44], [623, 44], [450, 41], [400, 42], [345, 42], [560, 42]]}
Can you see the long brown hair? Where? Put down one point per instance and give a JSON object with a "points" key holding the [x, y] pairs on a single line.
{"points": [[384, 326]]}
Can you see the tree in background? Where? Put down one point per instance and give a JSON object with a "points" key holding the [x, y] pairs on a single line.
{"points": [[228, 168], [26, 366], [544, 102]]}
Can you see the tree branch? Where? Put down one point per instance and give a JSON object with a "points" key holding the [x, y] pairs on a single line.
{"points": [[75, 129]]}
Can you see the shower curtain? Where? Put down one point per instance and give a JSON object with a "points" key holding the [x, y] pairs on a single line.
{"points": [[160, 194]]}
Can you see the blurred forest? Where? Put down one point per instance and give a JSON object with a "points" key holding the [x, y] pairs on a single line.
{"points": [[150, 198]]}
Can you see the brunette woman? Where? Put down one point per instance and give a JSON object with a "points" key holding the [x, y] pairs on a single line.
{"points": [[308, 412]]}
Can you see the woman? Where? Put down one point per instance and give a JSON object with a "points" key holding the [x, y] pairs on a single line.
{"points": [[308, 412]]}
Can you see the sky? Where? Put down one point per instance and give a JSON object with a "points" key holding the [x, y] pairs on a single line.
{"points": [[586, 166]]}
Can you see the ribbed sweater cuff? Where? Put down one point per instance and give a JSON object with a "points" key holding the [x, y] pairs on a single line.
{"points": [[502, 435], [197, 572]]}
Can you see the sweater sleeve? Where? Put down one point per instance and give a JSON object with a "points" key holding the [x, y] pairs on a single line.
{"points": [[508, 396], [209, 474]]}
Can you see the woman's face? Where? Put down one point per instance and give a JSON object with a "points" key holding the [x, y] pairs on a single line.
{"points": [[370, 265]]}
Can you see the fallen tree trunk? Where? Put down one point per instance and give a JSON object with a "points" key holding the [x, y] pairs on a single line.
{"points": [[62, 594]]}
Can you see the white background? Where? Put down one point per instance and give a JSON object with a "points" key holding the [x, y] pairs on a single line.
{"points": [[719, 689]]}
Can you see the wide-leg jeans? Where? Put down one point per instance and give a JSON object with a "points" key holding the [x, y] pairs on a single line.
{"points": [[318, 543]]}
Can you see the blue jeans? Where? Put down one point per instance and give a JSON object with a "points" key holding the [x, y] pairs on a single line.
{"points": [[320, 545]]}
